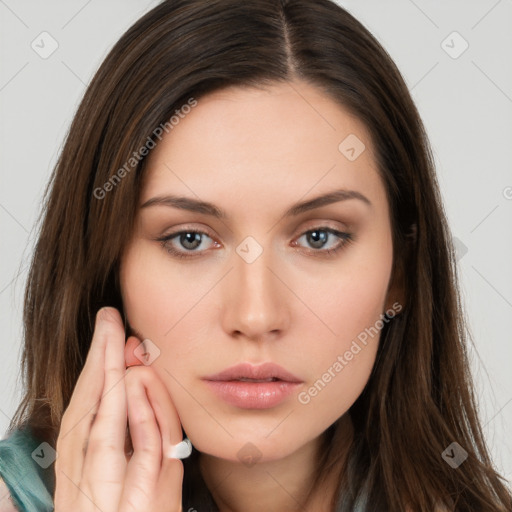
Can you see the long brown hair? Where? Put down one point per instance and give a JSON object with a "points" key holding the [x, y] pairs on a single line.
{"points": [[419, 398]]}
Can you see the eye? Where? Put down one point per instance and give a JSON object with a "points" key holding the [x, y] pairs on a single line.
{"points": [[318, 237], [191, 240]]}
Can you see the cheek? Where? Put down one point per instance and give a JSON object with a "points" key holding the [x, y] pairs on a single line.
{"points": [[350, 298], [157, 297], [351, 308]]}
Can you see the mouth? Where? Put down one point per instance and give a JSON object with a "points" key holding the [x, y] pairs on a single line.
{"points": [[253, 387], [246, 372], [247, 379]]}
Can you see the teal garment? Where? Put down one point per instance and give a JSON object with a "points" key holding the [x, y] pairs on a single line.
{"points": [[27, 468]]}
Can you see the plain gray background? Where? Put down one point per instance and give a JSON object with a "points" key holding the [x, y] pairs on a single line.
{"points": [[464, 96]]}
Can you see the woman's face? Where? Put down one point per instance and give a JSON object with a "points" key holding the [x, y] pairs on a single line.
{"points": [[257, 285]]}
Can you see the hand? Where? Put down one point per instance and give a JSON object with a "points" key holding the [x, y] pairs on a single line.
{"points": [[93, 471]]}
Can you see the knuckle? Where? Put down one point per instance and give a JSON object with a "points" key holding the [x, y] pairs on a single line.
{"points": [[101, 446], [113, 372], [100, 420], [138, 374], [143, 420], [148, 452]]}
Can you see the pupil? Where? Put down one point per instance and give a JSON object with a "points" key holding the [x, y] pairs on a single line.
{"points": [[319, 238], [190, 238]]}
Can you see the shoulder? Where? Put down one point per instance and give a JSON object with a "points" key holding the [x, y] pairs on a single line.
{"points": [[6, 503]]}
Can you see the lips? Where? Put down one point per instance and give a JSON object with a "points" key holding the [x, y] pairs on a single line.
{"points": [[246, 372], [253, 387]]}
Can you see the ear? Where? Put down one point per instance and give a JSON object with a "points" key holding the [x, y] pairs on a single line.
{"points": [[131, 344]]}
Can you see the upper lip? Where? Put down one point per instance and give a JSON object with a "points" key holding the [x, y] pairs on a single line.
{"points": [[250, 371]]}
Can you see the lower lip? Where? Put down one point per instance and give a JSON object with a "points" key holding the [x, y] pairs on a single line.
{"points": [[253, 395]]}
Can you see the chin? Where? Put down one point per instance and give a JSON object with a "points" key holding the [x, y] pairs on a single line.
{"points": [[249, 446]]}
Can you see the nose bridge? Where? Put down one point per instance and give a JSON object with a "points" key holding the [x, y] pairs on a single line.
{"points": [[256, 305]]}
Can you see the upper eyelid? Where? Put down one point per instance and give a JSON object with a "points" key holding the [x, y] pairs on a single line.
{"points": [[321, 227], [311, 225]]}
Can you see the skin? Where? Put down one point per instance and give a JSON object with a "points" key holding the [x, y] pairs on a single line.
{"points": [[92, 469], [253, 153]]}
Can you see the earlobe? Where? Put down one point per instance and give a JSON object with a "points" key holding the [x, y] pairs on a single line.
{"points": [[130, 359]]}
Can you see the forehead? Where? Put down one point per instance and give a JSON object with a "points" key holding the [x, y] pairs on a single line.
{"points": [[243, 145]]}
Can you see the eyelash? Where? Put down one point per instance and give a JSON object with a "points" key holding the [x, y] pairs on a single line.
{"points": [[346, 239]]}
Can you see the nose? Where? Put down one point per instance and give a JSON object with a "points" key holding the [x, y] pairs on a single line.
{"points": [[256, 301]]}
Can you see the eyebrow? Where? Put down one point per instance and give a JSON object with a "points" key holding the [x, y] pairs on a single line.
{"points": [[194, 205]]}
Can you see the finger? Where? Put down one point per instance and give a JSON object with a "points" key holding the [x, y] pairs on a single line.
{"points": [[105, 462], [161, 403], [165, 411], [77, 419], [170, 484], [169, 490], [165, 430], [144, 466]]}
